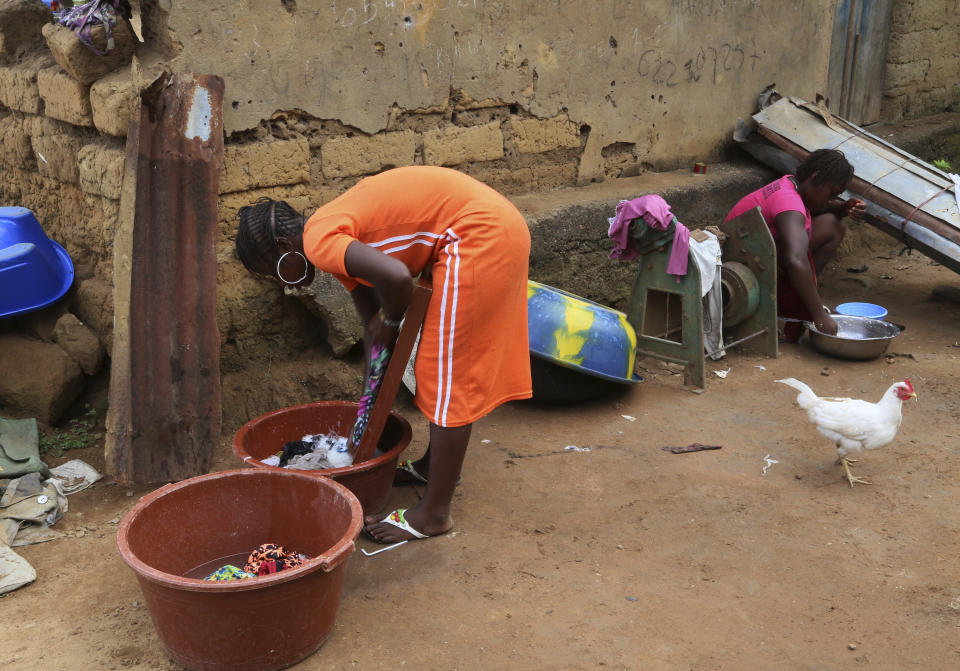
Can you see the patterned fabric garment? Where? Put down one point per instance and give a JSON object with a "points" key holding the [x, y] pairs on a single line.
{"points": [[228, 572], [379, 360], [270, 558]]}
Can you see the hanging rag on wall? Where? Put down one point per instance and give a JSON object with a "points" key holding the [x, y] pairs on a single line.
{"points": [[82, 18]]}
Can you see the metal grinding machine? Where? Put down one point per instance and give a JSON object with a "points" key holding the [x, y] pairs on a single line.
{"points": [[667, 312]]}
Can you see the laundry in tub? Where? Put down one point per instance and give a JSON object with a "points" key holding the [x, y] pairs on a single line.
{"points": [[312, 452]]}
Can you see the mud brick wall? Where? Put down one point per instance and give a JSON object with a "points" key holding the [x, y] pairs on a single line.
{"points": [[923, 72], [527, 97], [307, 162]]}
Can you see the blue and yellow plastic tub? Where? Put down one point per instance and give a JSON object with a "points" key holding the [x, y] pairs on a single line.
{"points": [[579, 334]]}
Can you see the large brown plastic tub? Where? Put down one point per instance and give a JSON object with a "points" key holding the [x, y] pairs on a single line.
{"points": [[369, 480], [255, 624]]}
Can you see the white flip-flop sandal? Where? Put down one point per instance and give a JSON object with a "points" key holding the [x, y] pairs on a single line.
{"points": [[397, 519]]}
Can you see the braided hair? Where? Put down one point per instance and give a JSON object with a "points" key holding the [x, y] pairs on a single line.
{"points": [[830, 165], [260, 226]]}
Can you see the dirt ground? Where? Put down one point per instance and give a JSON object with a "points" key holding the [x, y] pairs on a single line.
{"points": [[624, 556]]}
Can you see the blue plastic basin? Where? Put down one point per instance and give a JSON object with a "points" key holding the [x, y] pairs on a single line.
{"points": [[35, 271], [870, 310]]}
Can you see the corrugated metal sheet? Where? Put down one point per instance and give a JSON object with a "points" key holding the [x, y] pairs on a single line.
{"points": [[164, 415], [875, 161], [906, 197]]}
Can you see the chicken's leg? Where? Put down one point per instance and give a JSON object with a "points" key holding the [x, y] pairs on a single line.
{"points": [[851, 478]]}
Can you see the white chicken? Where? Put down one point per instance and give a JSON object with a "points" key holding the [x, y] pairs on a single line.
{"points": [[854, 424]]}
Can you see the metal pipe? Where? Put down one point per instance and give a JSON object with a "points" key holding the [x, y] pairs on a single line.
{"points": [[737, 342], [938, 248]]}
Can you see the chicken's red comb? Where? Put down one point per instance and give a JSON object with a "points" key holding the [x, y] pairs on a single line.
{"points": [[909, 385]]}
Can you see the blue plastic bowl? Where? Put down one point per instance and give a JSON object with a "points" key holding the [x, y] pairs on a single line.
{"points": [[35, 271], [577, 333], [870, 310]]}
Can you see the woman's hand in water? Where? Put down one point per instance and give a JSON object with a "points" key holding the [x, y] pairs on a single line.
{"points": [[825, 323]]}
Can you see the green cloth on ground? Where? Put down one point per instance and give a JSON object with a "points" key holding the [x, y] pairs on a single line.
{"points": [[20, 448]]}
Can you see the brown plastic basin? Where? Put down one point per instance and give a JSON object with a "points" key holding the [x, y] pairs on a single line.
{"points": [[369, 480], [262, 623]]}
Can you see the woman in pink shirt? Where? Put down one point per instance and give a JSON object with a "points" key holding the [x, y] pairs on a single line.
{"points": [[805, 217]]}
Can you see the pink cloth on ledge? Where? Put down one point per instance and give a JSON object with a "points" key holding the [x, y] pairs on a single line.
{"points": [[656, 213]]}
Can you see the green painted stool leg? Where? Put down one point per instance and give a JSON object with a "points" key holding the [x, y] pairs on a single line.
{"points": [[646, 315]]}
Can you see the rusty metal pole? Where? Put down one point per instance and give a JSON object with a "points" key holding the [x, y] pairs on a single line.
{"points": [[163, 421]]}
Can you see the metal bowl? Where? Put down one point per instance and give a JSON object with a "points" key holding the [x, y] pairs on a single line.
{"points": [[857, 337]]}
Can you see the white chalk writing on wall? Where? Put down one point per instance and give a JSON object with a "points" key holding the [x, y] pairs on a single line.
{"points": [[364, 12]]}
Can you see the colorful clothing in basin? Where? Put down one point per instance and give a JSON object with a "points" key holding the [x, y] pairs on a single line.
{"points": [[773, 199], [269, 558], [473, 353]]}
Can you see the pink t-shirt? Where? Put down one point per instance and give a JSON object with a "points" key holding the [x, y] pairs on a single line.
{"points": [[774, 198]]}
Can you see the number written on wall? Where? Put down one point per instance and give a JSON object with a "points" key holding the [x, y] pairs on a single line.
{"points": [[706, 64], [363, 12]]}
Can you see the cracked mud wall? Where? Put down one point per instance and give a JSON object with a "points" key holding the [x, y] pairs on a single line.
{"points": [[645, 84], [923, 59], [528, 97]]}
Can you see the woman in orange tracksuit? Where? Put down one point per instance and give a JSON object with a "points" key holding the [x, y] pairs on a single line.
{"points": [[473, 354]]}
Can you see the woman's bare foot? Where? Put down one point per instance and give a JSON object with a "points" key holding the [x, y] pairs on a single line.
{"points": [[391, 528], [431, 516]]}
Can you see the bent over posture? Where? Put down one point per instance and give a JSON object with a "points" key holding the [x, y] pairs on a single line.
{"points": [[805, 218], [473, 354]]}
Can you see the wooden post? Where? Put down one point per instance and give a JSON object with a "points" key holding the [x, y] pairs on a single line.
{"points": [[390, 384]]}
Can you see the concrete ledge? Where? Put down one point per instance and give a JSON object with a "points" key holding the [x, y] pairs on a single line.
{"points": [[930, 137]]}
